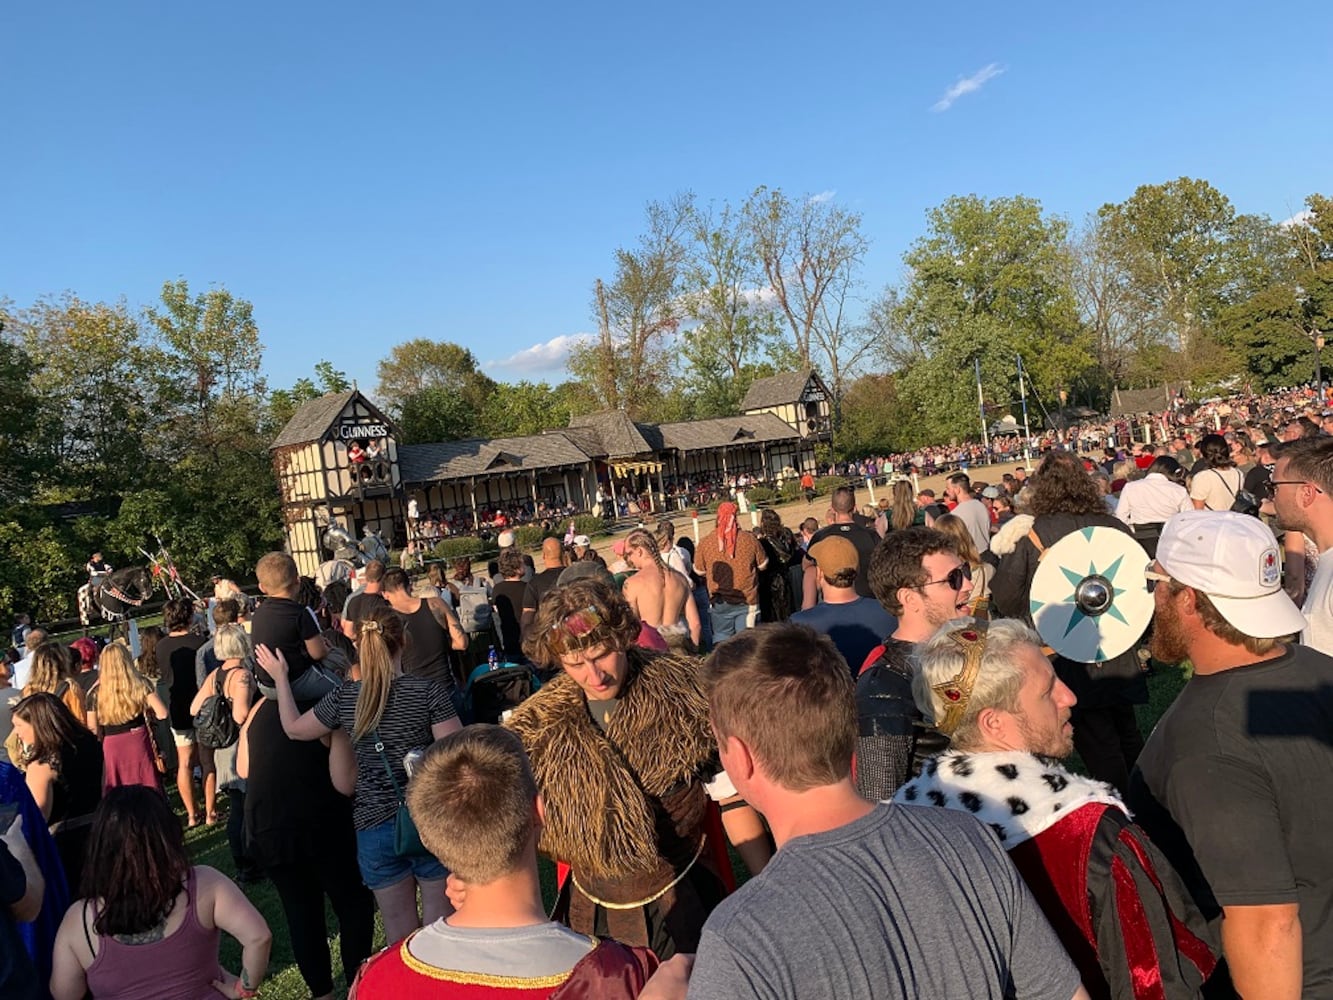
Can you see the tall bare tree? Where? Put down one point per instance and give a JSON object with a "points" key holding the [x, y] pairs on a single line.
{"points": [[628, 362], [809, 249]]}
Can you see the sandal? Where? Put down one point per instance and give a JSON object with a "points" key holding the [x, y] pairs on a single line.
{"points": [[192, 822], [211, 819]]}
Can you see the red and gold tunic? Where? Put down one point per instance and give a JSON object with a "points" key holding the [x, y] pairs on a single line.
{"points": [[611, 971]]}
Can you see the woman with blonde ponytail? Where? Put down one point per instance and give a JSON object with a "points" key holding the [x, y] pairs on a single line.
{"points": [[387, 716]]}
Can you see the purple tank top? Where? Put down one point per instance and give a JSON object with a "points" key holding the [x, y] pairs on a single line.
{"points": [[182, 966]]}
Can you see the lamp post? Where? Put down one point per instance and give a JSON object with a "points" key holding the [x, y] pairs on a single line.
{"points": [[1318, 366]]}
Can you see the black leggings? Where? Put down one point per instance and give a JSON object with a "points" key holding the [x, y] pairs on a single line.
{"points": [[1109, 742], [302, 887]]}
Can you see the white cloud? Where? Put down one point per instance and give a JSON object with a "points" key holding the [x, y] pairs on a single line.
{"points": [[815, 199], [967, 85], [1299, 219], [546, 357]]}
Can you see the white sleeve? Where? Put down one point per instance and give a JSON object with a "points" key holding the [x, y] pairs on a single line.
{"points": [[720, 788]]}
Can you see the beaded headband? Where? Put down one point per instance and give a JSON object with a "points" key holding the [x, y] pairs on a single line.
{"points": [[956, 691]]}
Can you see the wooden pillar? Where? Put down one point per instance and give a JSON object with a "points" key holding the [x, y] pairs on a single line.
{"points": [[661, 488], [476, 521]]}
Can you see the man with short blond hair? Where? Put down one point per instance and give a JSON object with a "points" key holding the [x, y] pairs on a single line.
{"points": [[1117, 905], [781, 706], [477, 810]]}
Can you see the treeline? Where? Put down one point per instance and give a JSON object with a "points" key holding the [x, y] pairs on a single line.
{"points": [[1170, 284], [119, 426]]}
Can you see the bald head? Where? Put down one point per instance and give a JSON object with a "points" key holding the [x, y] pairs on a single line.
{"points": [[552, 553]]}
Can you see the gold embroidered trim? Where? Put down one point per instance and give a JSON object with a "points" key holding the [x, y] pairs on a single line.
{"points": [[478, 978], [651, 899]]}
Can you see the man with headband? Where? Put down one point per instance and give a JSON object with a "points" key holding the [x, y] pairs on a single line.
{"points": [[1119, 908], [625, 762], [730, 560]]}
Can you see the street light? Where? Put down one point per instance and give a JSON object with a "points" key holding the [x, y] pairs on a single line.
{"points": [[1318, 366]]}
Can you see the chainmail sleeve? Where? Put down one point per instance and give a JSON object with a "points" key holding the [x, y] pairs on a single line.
{"points": [[888, 724], [882, 765]]}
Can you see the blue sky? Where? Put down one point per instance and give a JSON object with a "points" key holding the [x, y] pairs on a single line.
{"points": [[365, 173]]}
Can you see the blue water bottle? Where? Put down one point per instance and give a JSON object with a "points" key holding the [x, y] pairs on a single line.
{"points": [[492, 661]]}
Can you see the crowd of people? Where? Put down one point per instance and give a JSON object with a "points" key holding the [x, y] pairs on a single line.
{"points": [[856, 705]]}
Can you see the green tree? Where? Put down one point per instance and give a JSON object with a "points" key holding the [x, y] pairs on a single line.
{"points": [[283, 403], [1187, 256], [92, 399], [520, 408], [435, 414], [207, 365], [876, 420], [989, 282], [421, 364], [22, 463], [1267, 331]]}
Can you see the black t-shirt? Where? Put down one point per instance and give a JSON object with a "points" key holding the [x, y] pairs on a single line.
{"points": [[544, 582], [18, 978], [1257, 479], [359, 606], [283, 624], [1235, 786], [510, 598], [865, 541], [175, 659]]}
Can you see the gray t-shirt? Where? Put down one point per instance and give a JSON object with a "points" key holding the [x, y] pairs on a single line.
{"points": [[976, 516], [902, 903], [524, 952]]}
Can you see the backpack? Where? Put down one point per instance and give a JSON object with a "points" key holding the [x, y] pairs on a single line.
{"points": [[491, 693], [474, 609], [1242, 500], [214, 726]]}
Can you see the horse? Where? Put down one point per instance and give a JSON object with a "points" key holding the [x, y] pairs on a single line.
{"points": [[118, 595]]}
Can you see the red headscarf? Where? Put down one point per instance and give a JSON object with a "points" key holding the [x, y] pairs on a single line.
{"points": [[727, 528]]}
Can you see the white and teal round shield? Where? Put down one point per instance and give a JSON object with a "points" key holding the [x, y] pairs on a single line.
{"points": [[1089, 599]]}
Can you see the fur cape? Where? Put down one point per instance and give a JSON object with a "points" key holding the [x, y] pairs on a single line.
{"points": [[1017, 794], [598, 787]]}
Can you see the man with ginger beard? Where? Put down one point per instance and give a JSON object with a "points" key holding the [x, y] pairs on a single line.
{"points": [[1235, 785], [917, 575]]}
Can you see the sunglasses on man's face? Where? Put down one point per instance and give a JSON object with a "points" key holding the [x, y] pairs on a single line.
{"points": [[954, 578]]}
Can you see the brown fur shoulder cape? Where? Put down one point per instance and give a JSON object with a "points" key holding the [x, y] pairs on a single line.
{"points": [[596, 785]]}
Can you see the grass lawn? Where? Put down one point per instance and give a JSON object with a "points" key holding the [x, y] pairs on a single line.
{"points": [[209, 847]]}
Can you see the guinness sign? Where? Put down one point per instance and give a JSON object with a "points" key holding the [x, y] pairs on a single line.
{"points": [[353, 432]]}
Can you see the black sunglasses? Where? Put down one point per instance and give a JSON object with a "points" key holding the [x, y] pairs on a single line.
{"points": [[954, 578]]}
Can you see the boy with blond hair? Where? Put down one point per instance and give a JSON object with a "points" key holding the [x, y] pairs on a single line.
{"points": [[476, 806], [283, 623]]}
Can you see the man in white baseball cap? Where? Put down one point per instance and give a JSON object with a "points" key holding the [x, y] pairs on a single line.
{"points": [[1235, 784]]}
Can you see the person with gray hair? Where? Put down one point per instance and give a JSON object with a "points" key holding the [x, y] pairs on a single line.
{"points": [[1127, 921]]}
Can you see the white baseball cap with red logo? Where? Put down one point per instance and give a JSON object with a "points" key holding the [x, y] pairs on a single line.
{"points": [[1233, 558]]}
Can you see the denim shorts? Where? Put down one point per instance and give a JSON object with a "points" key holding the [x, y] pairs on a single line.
{"points": [[381, 866]]}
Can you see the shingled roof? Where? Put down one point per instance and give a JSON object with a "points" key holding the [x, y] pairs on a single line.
{"points": [[616, 433], [721, 432], [424, 463], [1125, 402], [313, 418], [776, 390]]}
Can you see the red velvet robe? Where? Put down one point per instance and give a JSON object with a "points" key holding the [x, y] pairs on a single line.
{"points": [[1095, 877]]}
